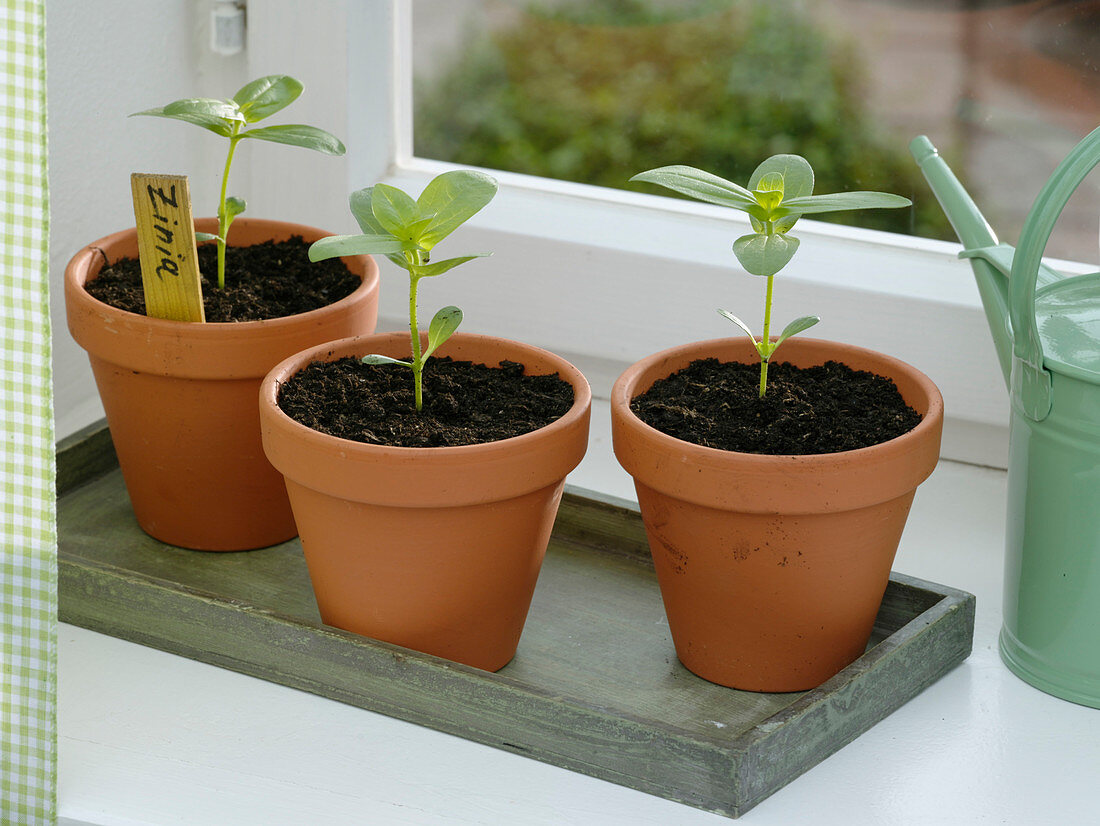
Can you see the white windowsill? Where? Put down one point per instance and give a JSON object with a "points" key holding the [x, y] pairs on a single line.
{"points": [[151, 738]]}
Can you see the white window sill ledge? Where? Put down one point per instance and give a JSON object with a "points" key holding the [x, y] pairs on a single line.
{"points": [[151, 738]]}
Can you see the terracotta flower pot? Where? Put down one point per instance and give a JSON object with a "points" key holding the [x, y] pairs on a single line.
{"points": [[772, 568], [435, 549], [180, 397]]}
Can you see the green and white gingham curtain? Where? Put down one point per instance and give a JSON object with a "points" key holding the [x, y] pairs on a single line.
{"points": [[28, 556]]}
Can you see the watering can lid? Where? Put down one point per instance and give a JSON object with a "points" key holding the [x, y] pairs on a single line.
{"points": [[1068, 316]]}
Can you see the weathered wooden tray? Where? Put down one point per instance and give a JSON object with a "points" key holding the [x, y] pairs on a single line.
{"points": [[595, 687]]}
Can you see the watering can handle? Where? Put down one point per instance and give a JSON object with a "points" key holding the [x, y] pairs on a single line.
{"points": [[1030, 381]]}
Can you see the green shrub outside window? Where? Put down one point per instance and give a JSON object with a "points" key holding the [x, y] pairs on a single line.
{"points": [[596, 91]]}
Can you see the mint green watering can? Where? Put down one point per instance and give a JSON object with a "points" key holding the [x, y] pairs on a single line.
{"points": [[1047, 331]]}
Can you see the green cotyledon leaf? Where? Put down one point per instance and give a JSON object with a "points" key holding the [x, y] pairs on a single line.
{"points": [[442, 327], [336, 246], [217, 116], [840, 201], [450, 200], [764, 254], [266, 95], [695, 183], [394, 210], [299, 134]]}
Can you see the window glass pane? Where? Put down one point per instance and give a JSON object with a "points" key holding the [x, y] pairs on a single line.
{"points": [[597, 90]]}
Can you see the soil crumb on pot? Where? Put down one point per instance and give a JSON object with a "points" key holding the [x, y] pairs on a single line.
{"points": [[824, 409], [464, 403], [272, 279]]}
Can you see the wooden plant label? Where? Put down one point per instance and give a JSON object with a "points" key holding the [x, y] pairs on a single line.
{"points": [[166, 246]]}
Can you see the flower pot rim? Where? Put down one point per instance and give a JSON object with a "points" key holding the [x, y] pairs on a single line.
{"points": [[228, 350], [441, 476], [80, 264], [623, 392], [582, 397]]}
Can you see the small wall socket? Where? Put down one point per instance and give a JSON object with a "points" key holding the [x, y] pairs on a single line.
{"points": [[227, 20]]}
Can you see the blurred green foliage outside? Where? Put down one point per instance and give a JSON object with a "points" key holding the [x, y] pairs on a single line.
{"points": [[597, 91]]}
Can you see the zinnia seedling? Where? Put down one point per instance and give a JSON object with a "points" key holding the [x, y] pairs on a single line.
{"points": [[254, 102], [406, 231], [780, 191]]}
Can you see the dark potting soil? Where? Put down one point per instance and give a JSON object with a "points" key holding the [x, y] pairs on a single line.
{"points": [[464, 403], [272, 279], [824, 409]]}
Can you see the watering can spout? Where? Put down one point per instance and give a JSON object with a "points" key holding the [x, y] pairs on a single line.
{"points": [[991, 262], [968, 222]]}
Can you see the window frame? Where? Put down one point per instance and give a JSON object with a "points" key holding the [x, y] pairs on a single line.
{"points": [[609, 255]]}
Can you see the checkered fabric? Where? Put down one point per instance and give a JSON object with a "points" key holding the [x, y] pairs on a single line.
{"points": [[28, 554]]}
